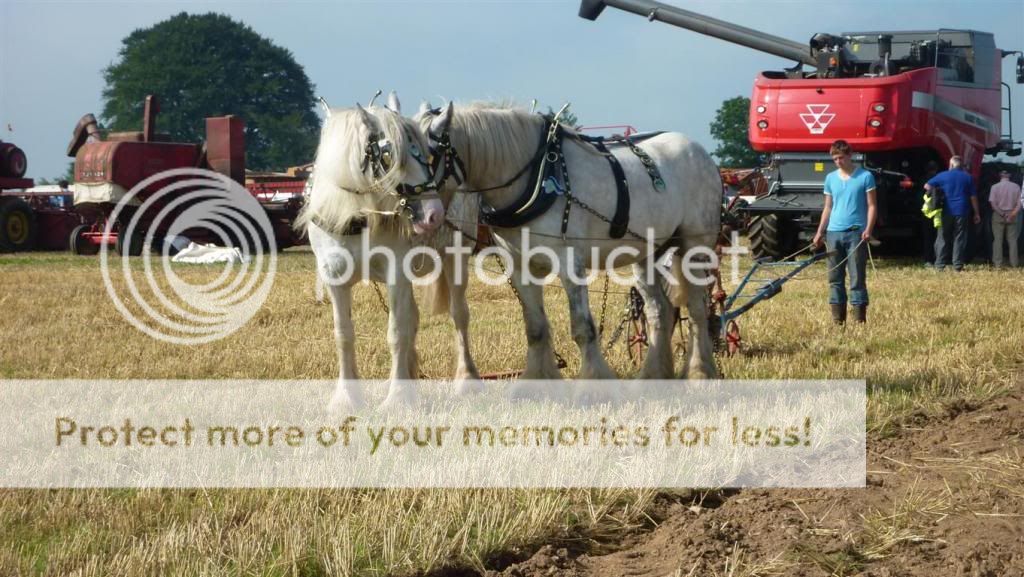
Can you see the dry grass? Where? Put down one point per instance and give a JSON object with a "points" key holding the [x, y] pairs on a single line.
{"points": [[933, 340]]}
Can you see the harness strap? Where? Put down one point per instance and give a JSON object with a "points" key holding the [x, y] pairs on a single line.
{"points": [[620, 221], [451, 161], [355, 227], [652, 170], [538, 195]]}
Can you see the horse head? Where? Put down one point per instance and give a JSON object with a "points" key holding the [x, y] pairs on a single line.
{"points": [[373, 161], [435, 124]]}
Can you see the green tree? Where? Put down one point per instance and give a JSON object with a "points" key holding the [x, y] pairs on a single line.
{"points": [[730, 130], [210, 65]]}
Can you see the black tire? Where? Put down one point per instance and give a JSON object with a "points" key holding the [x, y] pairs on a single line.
{"points": [[129, 245], [12, 161], [78, 244], [772, 236], [17, 226]]}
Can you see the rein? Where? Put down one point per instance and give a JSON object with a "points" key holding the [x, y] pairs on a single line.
{"points": [[451, 160]]}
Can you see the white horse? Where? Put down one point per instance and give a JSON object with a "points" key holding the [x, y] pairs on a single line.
{"points": [[371, 171], [496, 150]]}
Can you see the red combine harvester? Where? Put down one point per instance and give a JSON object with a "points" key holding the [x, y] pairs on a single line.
{"points": [[905, 101], [106, 169]]}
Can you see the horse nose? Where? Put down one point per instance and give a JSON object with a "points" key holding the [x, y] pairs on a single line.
{"points": [[433, 219]]}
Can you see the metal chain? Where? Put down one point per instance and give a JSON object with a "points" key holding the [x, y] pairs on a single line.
{"points": [[627, 315], [575, 200], [383, 303], [604, 306]]}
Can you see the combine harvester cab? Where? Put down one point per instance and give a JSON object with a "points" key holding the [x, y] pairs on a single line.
{"points": [[906, 101]]}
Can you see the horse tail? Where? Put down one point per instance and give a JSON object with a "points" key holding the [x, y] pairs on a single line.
{"points": [[435, 296]]}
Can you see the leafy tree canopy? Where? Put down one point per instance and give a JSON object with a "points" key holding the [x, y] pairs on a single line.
{"points": [[209, 65], [730, 130]]}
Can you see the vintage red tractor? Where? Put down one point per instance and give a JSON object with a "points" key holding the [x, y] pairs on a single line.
{"points": [[905, 101], [31, 217], [17, 220]]}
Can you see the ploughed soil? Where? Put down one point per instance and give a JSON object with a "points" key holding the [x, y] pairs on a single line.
{"points": [[944, 497]]}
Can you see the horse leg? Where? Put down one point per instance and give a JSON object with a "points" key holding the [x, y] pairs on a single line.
{"points": [[584, 332], [540, 357], [467, 378], [660, 323], [403, 321], [348, 394], [701, 361]]}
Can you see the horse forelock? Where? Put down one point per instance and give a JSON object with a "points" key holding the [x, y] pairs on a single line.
{"points": [[342, 190]]}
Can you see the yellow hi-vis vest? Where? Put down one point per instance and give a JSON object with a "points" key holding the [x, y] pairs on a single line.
{"points": [[935, 213]]}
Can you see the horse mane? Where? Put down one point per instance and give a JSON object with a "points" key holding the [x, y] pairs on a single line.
{"points": [[495, 140], [341, 191]]}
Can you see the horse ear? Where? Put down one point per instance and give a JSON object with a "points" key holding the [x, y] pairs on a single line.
{"points": [[393, 104], [442, 121], [365, 117], [424, 108]]}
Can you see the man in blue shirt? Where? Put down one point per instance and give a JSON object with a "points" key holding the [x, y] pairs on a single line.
{"points": [[846, 224], [958, 189]]}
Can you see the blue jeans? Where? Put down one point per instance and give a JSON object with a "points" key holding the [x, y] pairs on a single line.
{"points": [[840, 246], [954, 228]]}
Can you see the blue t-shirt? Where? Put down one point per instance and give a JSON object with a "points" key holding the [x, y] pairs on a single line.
{"points": [[849, 199], [958, 187]]}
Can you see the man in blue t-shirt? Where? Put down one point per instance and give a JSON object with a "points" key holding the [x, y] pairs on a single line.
{"points": [[846, 224], [958, 189]]}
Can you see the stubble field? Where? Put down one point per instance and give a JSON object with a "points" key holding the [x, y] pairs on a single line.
{"points": [[942, 355]]}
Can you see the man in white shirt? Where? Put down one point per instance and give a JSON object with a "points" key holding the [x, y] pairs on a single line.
{"points": [[1005, 198]]}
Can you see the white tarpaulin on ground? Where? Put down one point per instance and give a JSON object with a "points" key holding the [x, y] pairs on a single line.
{"points": [[208, 254]]}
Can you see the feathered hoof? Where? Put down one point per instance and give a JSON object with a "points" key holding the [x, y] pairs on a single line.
{"points": [[345, 401], [697, 373], [468, 386], [538, 391], [597, 393], [400, 397]]}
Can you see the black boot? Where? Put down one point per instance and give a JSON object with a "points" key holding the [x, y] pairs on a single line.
{"points": [[838, 314], [860, 313]]}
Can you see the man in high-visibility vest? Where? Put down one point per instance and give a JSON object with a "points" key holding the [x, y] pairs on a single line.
{"points": [[960, 200], [932, 209]]}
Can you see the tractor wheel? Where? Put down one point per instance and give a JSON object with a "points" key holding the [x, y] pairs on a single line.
{"points": [[771, 236], [17, 226], [12, 161], [78, 244], [130, 245]]}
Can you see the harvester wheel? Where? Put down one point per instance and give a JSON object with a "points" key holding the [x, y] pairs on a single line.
{"points": [[130, 244], [78, 244], [17, 226], [771, 236]]}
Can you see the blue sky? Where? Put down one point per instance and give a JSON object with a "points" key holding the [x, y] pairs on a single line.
{"points": [[620, 69]]}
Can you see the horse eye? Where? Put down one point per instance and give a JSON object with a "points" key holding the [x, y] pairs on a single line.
{"points": [[415, 151]]}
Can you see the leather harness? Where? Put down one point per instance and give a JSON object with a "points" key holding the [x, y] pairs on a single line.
{"points": [[551, 180]]}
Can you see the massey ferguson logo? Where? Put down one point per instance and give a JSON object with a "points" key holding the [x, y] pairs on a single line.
{"points": [[817, 118]]}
